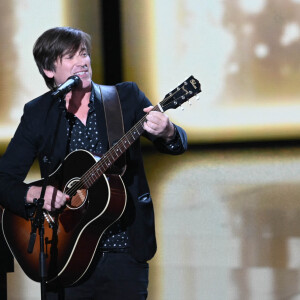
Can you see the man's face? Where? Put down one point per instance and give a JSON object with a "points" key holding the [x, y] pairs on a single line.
{"points": [[78, 64]]}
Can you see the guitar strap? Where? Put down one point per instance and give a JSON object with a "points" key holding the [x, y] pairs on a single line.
{"points": [[114, 122]]}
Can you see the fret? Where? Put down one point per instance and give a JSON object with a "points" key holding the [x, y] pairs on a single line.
{"points": [[97, 172], [89, 183], [101, 170], [118, 151], [108, 164], [130, 132], [121, 142], [114, 154], [92, 178], [135, 134], [110, 155], [131, 138]]}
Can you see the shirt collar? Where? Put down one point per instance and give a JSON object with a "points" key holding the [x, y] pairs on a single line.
{"points": [[92, 99]]}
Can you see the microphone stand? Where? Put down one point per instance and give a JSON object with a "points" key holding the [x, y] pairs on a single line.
{"points": [[37, 222]]}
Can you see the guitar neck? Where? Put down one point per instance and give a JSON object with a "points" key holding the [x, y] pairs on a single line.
{"points": [[106, 161], [176, 97]]}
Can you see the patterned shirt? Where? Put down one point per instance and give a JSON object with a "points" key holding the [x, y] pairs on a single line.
{"points": [[87, 138]]}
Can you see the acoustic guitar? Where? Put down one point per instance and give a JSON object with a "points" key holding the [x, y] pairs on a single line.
{"points": [[97, 201]]}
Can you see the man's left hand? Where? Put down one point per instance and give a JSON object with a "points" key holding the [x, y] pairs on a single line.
{"points": [[158, 124]]}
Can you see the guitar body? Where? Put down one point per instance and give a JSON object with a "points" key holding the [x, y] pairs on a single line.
{"points": [[70, 244]]}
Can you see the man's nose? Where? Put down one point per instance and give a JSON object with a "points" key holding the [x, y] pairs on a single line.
{"points": [[80, 60]]}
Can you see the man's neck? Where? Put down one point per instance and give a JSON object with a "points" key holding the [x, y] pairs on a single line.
{"points": [[77, 103]]}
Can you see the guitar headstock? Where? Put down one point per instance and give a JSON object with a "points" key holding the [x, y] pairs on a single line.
{"points": [[188, 89]]}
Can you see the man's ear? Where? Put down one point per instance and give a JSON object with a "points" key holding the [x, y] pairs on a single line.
{"points": [[49, 73]]}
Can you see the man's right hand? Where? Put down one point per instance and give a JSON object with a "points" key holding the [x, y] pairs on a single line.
{"points": [[53, 199]]}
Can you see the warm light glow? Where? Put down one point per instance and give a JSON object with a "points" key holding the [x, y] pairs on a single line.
{"points": [[227, 220], [238, 60], [291, 34], [253, 6]]}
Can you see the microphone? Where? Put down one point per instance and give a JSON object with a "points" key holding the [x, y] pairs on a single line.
{"points": [[67, 86]]}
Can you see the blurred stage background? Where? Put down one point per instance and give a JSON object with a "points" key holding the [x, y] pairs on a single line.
{"points": [[227, 211]]}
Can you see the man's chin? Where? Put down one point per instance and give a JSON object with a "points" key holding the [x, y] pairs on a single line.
{"points": [[86, 84]]}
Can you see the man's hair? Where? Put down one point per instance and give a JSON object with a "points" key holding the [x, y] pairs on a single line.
{"points": [[55, 43]]}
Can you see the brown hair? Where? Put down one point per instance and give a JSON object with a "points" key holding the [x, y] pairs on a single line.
{"points": [[53, 44]]}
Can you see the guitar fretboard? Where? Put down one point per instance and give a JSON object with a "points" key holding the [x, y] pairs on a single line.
{"points": [[106, 161], [179, 95]]}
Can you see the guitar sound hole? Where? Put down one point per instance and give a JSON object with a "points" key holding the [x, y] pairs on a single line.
{"points": [[78, 196]]}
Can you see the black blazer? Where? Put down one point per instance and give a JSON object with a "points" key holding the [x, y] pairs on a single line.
{"points": [[33, 138]]}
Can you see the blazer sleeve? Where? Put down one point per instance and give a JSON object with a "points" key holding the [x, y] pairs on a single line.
{"points": [[15, 164], [177, 145]]}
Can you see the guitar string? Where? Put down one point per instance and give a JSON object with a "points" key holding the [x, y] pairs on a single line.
{"points": [[106, 158], [82, 183], [87, 179], [105, 161]]}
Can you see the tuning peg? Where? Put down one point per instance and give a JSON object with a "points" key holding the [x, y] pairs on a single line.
{"points": [[198, 97], [190, 103], [182, 108]]}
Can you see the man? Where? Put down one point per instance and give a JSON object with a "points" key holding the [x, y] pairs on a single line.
{"points": [[122, 271]]}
